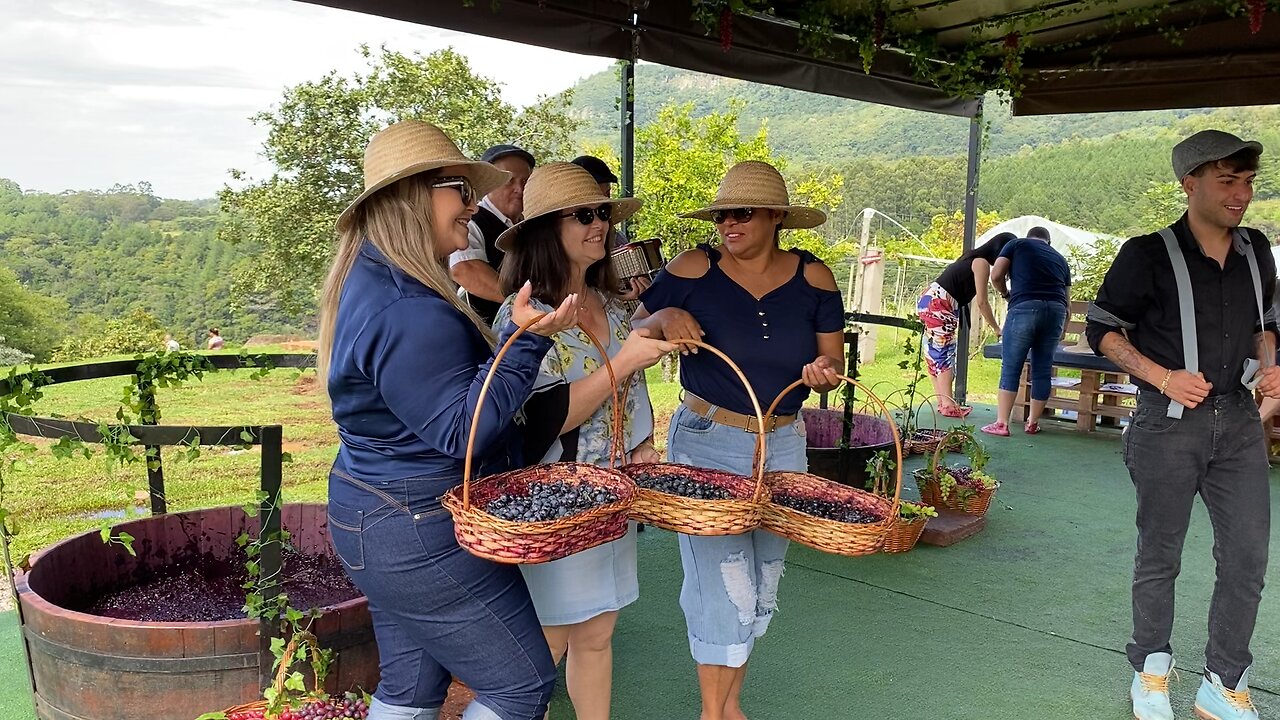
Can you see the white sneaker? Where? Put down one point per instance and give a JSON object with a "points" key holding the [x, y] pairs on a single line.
{"points": [[1150, 689]]}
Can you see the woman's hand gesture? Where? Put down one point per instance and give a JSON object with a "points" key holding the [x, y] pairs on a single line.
{"points": [[640, 352], [678, 324], [822, 374], [645, 452], [558, 320]]}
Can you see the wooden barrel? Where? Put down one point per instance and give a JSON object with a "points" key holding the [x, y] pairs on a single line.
{"points": [[88, 667]]}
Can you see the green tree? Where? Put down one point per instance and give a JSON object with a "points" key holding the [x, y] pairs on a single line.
{"points": [[1161, 204], [1089, 267], [944, 238], [680, 161], [29, 321], [316, 138], [137, 332]]}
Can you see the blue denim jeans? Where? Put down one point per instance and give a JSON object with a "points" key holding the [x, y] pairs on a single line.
{"points": [[730, 589], [1215, 451], [1035, 327], [438, 611]]}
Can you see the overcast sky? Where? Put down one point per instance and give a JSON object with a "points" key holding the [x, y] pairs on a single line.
{"points": [[99, 92]]}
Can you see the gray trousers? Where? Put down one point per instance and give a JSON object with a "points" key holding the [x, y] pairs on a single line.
{"points": [[1215, 450]]}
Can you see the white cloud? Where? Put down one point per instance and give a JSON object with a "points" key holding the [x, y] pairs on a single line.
{"points": [[98, 92]]}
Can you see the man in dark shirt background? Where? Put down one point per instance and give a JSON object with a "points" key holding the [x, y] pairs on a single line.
{"points": [[1033, 324], [1216, 447]]}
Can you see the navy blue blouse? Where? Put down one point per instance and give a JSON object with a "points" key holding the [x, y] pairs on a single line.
{"points": [[771, 339], [404, 377]]}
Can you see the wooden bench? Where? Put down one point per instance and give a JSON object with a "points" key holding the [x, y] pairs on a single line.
{"points": [[1102, 392]]}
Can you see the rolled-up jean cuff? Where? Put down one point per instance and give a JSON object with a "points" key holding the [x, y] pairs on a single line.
{"points": [[379, 710], [729, 655], [479, 711], [761, 625]]}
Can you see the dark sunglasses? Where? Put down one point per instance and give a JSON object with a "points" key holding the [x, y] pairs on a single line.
{"points": [[463, 185], [742, 215], [586, 216]]}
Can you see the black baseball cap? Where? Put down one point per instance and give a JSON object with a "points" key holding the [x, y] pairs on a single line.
{"points": [[498, 151], [598, 168]]}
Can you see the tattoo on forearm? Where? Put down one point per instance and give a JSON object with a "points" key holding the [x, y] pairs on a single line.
{"points": [[1121, 352]]}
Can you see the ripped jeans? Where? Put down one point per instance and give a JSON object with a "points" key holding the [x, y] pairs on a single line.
{"points": [[730, 589]]}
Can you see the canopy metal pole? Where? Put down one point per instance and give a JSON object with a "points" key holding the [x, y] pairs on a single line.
{"points": [[627, 108], [970, 235]]}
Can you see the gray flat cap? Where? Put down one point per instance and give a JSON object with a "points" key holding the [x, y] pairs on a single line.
{"points": [[1207, 146]]}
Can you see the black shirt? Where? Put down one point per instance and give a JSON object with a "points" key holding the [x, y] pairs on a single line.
{"points": [[1140, 288], [957, 278]]}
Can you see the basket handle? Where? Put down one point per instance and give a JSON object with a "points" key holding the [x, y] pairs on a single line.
{"points": [[933, 408], [884, 410], [758, 461], [942, 447], [484, 393], [302, 637]]}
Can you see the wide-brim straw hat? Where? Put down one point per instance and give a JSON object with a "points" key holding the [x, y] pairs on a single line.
{"points": [[755, 184], [411, 147], [556, 187]]}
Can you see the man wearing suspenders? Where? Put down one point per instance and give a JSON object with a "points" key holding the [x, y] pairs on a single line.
{"points": [[1186, 311]]}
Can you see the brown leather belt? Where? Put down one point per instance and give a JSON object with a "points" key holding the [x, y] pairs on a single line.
{"points": [[733, 419]]}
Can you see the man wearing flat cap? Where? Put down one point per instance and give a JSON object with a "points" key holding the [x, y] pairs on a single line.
{"points": [[1186, 311], [476, 268]]}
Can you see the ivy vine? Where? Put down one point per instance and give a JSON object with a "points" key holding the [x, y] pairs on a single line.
{"points": [[981, 64]]}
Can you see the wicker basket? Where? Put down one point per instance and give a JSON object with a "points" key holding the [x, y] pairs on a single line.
{"points": [[904, 534], [509, 541], [850, 539], [692, 516], [977, 502]]}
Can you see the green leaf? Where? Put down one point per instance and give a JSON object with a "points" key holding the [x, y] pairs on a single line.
{"points": [[295, 682], [286, 457], [213, 716], [246, 436], [105, 532], [242, 539]]}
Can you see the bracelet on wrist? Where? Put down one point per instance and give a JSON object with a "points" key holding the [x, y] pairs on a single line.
{"points": [[1164, 384]]}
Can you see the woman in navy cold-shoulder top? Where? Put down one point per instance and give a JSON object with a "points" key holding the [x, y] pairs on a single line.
{"points": [[778, 314], [404, 361]]}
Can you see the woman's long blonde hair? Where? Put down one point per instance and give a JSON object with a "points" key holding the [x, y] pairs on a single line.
{"points": [[397, 221]]}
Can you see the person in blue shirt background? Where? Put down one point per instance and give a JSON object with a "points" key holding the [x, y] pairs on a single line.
{"points": [[404, 360], [1033, 325]]}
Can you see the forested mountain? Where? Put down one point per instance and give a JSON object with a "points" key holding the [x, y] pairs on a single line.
{"points": [[811, 127], [105, 254]]}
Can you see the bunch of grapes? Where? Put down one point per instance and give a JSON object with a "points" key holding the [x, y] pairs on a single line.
{"points": [[683, 485], [830, 510], [549, 501], [348, 707]]}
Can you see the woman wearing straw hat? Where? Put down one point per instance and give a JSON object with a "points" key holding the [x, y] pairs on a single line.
{"points": [[404, 360], [562, 248], [778, 314]]}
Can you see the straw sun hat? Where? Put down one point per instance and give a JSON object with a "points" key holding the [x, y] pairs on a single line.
{"points": [[755, 184], [558, 186], [411, 147]]}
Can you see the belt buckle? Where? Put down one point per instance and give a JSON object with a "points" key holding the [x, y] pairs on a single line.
{"points": [[771, 424]]}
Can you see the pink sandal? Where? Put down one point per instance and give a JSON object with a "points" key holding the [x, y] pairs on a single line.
{"points": [[996, 428], [1031, 428], [955, 411]]}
